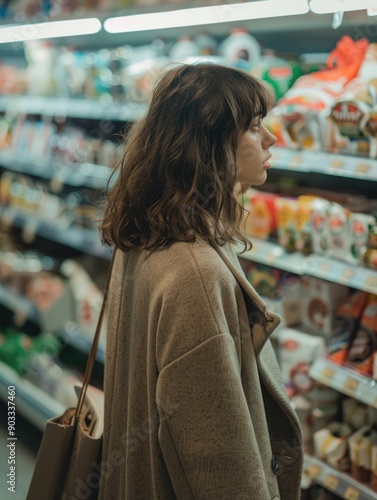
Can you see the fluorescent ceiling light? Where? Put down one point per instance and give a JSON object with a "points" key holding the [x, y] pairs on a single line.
{"points": [[52, 29], [206, 15], [330, 6]]}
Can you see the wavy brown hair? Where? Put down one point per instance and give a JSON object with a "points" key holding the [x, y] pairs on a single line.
{"points": [[177, 177]]}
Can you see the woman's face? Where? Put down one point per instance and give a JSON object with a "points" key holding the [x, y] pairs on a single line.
{"points": [[253, 153]]}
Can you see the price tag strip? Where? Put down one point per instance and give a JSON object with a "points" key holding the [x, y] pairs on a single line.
{"points": [[359, 277], [338, 482], [345, 380]]}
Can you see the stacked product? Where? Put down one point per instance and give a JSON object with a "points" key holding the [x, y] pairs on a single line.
{"points": [[333, 109], [310, 224], [350, 443]]}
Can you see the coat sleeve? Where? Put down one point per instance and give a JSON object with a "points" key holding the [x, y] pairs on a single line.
{"points": [[206, 433]]}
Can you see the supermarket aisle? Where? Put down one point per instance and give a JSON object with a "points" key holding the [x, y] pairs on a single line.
{"points": [[28, 439]]}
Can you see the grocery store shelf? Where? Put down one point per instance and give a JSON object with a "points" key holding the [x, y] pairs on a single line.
{"points": [[81, 343], [338, 482], [18, 304], [31, 402], [271, 254], [84, 174], [345, 380], [72, 107], [325, 163], [85, 240]]}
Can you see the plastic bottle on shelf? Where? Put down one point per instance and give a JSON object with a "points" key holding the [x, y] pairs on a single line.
{"points": [[280, 74], [241, 49], [184, 48]]}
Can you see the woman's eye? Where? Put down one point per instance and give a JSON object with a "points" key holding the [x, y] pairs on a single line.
{"points": [[257, 126]]}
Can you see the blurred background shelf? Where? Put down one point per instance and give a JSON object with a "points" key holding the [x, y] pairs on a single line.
{"points": [[271, 254], [85, 240], [338, 482], [31, 402], [345, 380], [81, 175], [72, 107]]}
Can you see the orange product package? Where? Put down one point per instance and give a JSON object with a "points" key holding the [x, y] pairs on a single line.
{"points": [[364, 343], [347, 317], [262, 220], [304, 110]]}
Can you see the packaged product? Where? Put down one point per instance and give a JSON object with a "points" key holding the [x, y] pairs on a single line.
{"points": [[16, 348], [361, 228], [207, 44], [360, 446], [87, 296], [280, 74], [324, 406], [331, 445], [298, 351], [320, 300], [291, 293], [303, 239], [346, 320], [304, 110], [240, 48], [338, 237], [183, 48], [369, 257], [351, 112], [286, 222], [349, 116], [318, 217], [323, 414], [264, 279], [355, 413], [364, 343], [52, 299], [262, 221]]}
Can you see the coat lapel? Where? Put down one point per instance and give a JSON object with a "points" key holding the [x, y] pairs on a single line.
{"points": [[270, 319]]}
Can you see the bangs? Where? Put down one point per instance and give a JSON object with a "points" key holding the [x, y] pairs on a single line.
{"points": [[257, 98]]}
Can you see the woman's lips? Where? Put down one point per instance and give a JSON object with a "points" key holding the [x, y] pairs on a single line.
{"points": [[267, 165]]}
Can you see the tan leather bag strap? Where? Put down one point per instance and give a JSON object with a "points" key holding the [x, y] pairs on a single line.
{"points": [[94, 347]]}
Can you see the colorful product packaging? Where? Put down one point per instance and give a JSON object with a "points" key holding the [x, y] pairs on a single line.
{"points": [[286, 222], [262, 221], [346, 319], [331, 445], [360, 446], [318, 217], [303, 239], [320, 300], [298, 351], [364, 343], [303, 111]]}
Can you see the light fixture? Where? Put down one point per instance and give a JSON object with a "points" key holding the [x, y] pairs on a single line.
{"points": [[331, 6], [199, 16], [52, 29]]}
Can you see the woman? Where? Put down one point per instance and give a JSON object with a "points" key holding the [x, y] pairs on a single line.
{"points": [[194, 403]]}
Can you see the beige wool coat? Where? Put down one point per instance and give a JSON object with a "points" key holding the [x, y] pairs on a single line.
{"points": [[195, 407]]}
